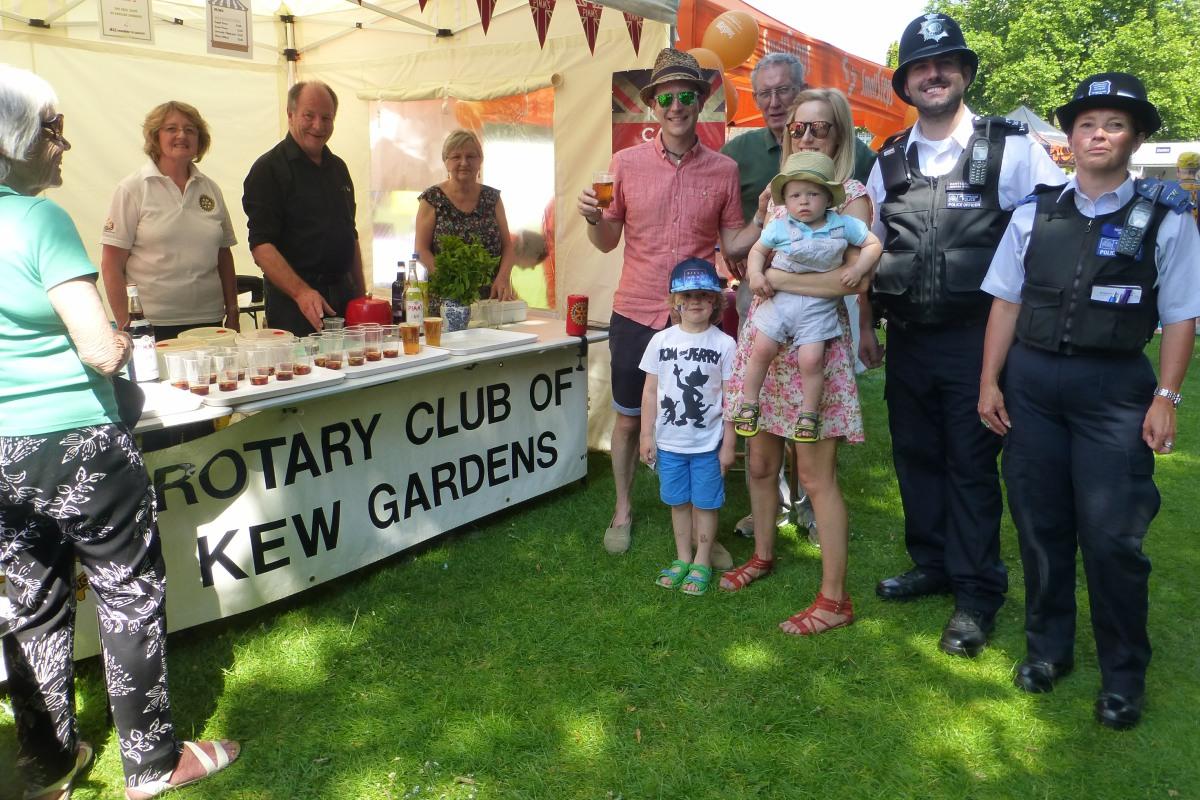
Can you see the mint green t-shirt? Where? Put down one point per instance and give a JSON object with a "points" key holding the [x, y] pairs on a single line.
{"points": [[44, 387]]}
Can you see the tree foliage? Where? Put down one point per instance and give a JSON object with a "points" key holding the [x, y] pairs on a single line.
{"points": [[1037, 52]]}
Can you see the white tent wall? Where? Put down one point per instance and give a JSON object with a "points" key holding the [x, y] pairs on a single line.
{"points": [[105, 89]]}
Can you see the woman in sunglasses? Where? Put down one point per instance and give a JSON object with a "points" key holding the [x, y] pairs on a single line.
{"points": [[73, 488], [820, 121]]}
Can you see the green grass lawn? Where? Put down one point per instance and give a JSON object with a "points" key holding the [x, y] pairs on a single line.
{"points": [[515, 659]]}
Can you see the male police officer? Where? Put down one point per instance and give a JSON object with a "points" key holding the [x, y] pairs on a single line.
{"points": [[944, 191], [1082, 276]]}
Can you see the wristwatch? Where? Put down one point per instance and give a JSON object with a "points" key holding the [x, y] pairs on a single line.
{"points": [[1175, 397]]}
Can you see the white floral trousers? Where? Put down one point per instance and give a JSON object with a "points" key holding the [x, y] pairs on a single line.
{"points": [[83, 495]]}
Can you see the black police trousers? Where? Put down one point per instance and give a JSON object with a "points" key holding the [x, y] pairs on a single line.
{"points": [[945, 460], [1079, 475]]}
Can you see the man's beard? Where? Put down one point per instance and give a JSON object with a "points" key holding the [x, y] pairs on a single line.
{"points": [[939, 108]]}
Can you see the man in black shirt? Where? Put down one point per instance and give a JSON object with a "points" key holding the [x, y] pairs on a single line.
{"points": [[299, 201]]}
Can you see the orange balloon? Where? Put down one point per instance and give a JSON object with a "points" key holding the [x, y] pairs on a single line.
{"points": [[707, 58], [732, 36], [731, 99]]}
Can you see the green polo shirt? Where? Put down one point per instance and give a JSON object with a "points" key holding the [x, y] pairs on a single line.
{"points": [[757, 156]]}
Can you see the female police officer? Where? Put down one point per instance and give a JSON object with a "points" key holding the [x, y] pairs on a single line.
{"points": [[1082, 275]]}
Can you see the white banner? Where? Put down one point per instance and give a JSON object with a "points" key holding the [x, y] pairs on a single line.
{"points": [[127, 19], [230, 32], [294, 497]]}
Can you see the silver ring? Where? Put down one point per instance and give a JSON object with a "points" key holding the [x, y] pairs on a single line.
{"points": [[1168, 445], [986, 424]]}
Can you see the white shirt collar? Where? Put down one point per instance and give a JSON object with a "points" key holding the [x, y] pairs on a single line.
{"points": [[960, 135], [151, 170], [1122, 194]]}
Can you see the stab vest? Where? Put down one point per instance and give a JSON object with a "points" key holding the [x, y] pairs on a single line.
{"points": [[1071, 263], [941, 232]]}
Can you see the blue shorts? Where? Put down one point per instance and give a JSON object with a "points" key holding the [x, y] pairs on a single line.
{"points": [[690, 478]]}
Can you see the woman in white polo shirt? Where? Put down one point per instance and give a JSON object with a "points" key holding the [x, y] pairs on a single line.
{"points": [[168, 231]]}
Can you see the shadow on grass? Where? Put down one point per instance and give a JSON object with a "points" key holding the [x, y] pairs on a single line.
{"points": [[515, 659]]}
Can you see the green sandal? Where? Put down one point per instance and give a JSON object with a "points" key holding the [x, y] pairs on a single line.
{"points": [[807, 427], [698, 578], [672, 576], [745, 421]]}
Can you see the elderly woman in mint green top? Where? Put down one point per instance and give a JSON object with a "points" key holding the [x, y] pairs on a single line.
{"points": [[72, 487]]}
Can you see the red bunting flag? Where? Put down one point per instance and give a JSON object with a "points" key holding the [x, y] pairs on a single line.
{"points": [[485, 12], [634, 24], [589, 15], [422, 3], [542, 10]]}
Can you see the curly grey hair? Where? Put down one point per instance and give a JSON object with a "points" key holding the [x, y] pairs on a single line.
{"points": [[24, 100]]}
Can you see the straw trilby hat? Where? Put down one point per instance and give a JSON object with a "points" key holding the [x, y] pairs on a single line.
{"points": [[808, 166], [676, 65]]}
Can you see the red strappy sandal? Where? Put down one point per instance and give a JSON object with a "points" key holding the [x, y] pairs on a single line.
{"points": [[810, 624], [741, 577]]}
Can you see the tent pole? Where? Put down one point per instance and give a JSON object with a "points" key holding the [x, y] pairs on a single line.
{"points": [[385, 12]]}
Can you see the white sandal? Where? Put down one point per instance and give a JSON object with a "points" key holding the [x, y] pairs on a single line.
{"points": [[210, 767], [83, 757]]}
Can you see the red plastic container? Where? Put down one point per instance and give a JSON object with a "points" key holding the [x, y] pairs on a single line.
{"points": [[368, 309]]}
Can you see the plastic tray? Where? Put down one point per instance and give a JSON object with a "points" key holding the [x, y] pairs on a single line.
{"points": [[426, 356], [481, 340], [163, 399], [245, 393]]}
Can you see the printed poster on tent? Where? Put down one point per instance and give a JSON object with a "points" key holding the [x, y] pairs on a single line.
{"points": [[229, 29], [633, 123], [126, 19]]}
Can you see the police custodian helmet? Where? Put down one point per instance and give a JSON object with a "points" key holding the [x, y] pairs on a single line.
{"points": [[1118, 90], [927, 36]]}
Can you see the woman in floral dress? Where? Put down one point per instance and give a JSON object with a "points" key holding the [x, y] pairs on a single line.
{"points": [[820, 121], [462, 206]]}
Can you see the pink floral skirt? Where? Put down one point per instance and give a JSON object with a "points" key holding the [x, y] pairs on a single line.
{"points": [[783, 392]]}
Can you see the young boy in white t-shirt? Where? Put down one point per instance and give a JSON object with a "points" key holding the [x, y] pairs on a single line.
{"points": [[683, 436]]}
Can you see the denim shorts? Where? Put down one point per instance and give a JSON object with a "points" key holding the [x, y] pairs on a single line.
{"points": [[690, 478]]}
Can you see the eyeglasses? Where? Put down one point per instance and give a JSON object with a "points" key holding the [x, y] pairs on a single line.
{"points": [[685, 98], [819, 129], [53, 128], [781, 93], [187, 130]]}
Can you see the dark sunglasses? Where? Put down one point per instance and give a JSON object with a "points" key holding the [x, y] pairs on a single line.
{"points": [[820, 129], [53, 127], [685, 98]]}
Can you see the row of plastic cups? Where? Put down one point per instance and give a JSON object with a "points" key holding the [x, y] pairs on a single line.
{"points": [[198, 369], [370, 341]]}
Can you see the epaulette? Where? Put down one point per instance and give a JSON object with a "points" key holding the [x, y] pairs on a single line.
{"points": [[1040, 189], [1010, 127], [894, 138], [1168, 194]]}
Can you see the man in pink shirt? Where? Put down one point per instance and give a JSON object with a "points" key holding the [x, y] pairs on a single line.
{"points": [[673, 199]]}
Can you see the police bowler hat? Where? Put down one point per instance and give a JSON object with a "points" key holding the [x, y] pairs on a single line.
{"points": [[1118, 90], [925, 37], [695, 275]]}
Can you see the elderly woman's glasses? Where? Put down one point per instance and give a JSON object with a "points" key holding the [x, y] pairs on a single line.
{"points": [[685, 98], [53, 128], [820, 129]]}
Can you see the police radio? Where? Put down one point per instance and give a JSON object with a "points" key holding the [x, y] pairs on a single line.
{"points": [[977, 167], [1134, 231]]}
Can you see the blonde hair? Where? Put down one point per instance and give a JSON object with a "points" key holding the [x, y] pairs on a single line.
{"points": [[459, 139], [158, 117], [676, 298], [842, 131]]}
